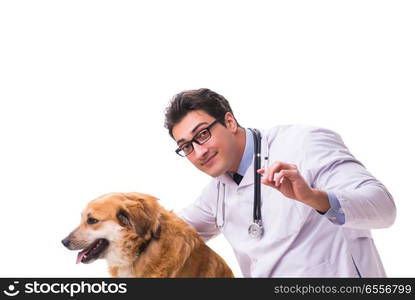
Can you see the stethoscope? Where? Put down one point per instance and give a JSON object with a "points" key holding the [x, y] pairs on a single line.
{"points": [[256, 229]]}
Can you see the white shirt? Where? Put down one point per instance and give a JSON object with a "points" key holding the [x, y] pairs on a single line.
{"points": [[297, 240]]}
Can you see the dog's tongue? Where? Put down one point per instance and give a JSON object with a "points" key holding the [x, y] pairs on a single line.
{"points": [[81, 255]]}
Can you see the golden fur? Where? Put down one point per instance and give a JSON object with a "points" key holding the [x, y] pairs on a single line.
{"points": [[144, 240]]}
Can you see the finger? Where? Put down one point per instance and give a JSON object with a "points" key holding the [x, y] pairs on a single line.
{"points": [[266, 182], [261, 171], [278, 179], [274, 168], [289, 174], [277, 167]]}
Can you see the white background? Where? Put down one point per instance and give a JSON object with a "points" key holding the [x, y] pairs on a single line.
{"points": [[84, 84]]}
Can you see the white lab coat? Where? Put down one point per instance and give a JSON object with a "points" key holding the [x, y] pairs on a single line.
{"points": [[297, 240]]}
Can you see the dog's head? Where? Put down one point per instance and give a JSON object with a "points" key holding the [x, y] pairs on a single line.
{"points": [[114, 227]]}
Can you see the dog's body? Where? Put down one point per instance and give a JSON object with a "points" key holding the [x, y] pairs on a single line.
{"points": [[139, 238]]}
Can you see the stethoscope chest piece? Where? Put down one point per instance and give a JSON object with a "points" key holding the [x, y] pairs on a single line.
{"points": [[256, 230]]}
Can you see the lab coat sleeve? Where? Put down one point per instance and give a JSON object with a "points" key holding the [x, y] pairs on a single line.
{"points": [[200, 214], [335, 214], [330, 166]]}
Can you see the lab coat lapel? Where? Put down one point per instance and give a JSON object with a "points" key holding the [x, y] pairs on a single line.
{"points": [[249, 176]]}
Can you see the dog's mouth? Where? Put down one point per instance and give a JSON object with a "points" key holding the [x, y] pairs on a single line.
{"points": [[93, 251]]}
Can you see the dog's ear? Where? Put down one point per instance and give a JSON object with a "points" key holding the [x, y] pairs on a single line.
{"points": [[123, 218], [134, 220], [142, 223], [143, 213]]}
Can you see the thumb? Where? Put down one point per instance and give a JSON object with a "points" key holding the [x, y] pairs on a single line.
{"points": [[260, 171]]}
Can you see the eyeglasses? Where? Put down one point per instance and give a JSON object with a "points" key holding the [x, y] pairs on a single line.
{"points": [[202, 137]]}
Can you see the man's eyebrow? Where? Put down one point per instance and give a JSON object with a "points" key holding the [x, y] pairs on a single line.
{"points": [[193, 130]]}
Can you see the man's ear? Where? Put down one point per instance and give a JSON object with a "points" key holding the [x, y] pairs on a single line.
{"points": [[230, 122]]}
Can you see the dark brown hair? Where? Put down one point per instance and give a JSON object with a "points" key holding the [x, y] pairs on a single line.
{"points": [[202, 99]]}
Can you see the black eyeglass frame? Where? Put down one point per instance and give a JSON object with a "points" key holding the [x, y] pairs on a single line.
{"points": [[193, 140]]}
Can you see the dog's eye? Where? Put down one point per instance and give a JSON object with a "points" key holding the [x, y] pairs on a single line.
{"points": [[91, 221]]}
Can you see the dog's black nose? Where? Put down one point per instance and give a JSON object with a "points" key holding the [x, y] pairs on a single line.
{"points": [[66, 241]]}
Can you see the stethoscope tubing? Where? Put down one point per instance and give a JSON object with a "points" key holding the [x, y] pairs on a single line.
{"points": [[255, 229]]}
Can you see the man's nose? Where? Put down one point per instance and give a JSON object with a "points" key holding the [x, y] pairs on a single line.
{"points": [[200, 150]]}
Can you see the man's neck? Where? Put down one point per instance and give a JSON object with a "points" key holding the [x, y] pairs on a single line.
{"points": [[240, 145]]}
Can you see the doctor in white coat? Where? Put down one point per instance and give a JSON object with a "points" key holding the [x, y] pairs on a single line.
{"points": [[318, 202]]}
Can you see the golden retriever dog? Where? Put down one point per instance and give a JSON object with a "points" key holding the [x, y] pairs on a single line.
{"points": [[139, 238]]}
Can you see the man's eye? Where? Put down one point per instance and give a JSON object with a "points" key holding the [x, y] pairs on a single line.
{"points": [[186, 147], [91, 221], [202, 135]]}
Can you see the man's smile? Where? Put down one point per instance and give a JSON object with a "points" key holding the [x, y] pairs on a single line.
{"points": [[209, 159]]}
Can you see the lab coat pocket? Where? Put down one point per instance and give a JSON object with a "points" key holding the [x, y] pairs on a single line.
{"points": [[353, 234], [324, 269], [282, 217]]}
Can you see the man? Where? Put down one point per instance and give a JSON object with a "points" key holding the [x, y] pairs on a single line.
{"points": [[318, 202]]}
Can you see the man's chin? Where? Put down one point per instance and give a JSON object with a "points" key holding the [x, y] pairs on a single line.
{"points": [[215, 172]]}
